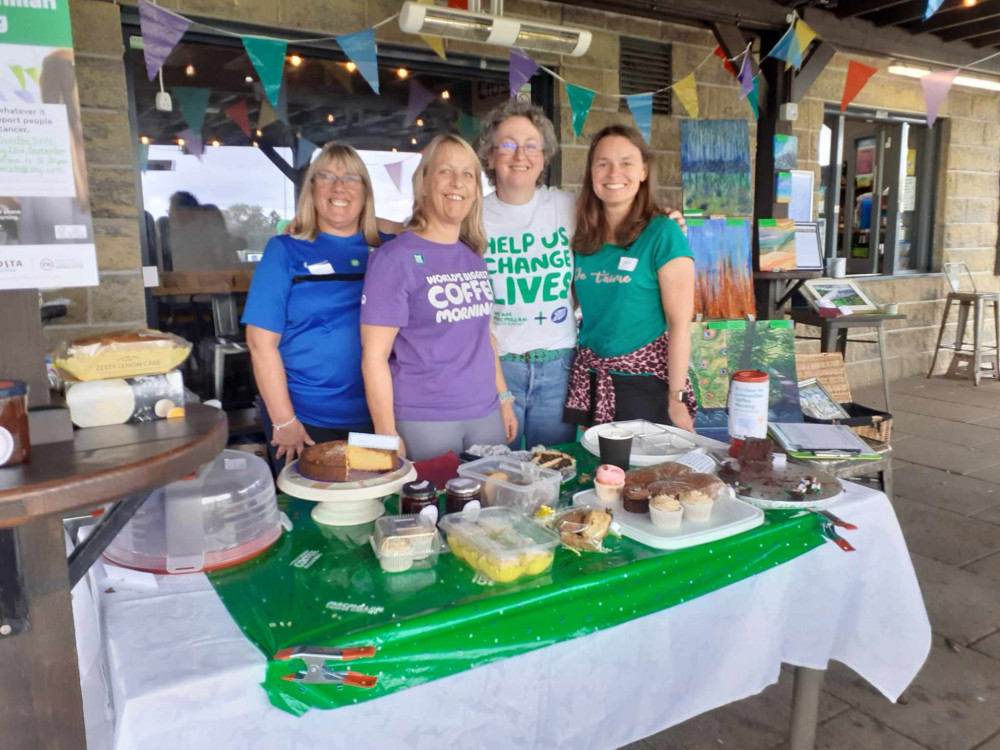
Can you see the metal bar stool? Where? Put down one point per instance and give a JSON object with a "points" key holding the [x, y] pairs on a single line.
{"points": [[968, 362]]}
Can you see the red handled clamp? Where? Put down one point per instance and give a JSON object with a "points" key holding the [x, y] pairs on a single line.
{"points": [[318, 673]]}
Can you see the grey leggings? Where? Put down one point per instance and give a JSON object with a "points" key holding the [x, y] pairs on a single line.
{"points": [[431, 439]]}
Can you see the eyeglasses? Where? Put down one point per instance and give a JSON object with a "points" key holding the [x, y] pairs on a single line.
{"points": [[509, 148], [328, 178]]}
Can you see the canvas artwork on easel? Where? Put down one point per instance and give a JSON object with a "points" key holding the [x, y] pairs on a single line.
{"points": [[715, 167], [723, 286]]}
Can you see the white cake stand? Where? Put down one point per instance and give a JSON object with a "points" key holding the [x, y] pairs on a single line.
{"points": [[347, 503]]}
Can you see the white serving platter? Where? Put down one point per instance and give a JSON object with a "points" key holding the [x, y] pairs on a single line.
{"points": [[346, 503], [729, 516]]}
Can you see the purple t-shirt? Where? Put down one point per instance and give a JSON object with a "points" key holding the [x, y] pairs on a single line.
{"points": [[440, 298]]}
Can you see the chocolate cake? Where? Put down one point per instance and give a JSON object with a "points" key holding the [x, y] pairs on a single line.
{"points": [[755, 456], [636, 499], [650, 474]]}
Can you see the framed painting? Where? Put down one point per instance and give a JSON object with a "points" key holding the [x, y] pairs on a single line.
{"points": [[843, 293]]}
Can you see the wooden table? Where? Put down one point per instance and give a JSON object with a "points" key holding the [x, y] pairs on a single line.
{"points": [[203, 282], [40, 699], [833, 335]]}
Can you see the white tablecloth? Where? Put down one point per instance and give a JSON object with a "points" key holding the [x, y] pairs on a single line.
{"points": [[182, 675]]}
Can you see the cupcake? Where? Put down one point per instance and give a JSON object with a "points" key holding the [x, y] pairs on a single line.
{"points": [[665, 512], [636, 499], [697, 505], [609, 483]]}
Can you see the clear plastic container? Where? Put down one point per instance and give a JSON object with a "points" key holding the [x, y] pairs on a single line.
{"points": [[500, 543], [221, 516], [520, 485], [404, 542]]}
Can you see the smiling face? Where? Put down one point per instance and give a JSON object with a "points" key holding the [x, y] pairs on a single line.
{"points": [[450, 185], [617, 171], [517, 155], [338, 203]]}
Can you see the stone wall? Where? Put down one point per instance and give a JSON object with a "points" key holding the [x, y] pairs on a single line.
{"points": [[968, 196]]}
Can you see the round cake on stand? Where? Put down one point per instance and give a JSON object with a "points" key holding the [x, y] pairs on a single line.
{"points": [[356, 501]]}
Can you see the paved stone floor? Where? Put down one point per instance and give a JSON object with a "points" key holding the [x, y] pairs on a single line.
{"points": [[946, 446]]}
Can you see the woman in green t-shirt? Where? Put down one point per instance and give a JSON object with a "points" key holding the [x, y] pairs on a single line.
{"points": [[634, 280]]}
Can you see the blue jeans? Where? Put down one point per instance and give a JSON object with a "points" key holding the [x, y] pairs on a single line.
{"points": [[539, 390]]}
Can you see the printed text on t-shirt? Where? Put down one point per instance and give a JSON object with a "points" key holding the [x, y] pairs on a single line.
{"points": [[543, 277], [460, 296]]}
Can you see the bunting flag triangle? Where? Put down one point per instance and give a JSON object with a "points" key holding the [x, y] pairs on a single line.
{"points": [[192, 143], [468, 126], [303, 152], [33, 74], [266, 115], [395, 171], [931, 8], [580, 100], [641, 106], [720, 53], [193, 102], [804, 34], [268, 58], [787, 49], [936, 86], [143, 156], [238, 114], [161, 30], [752, 98], [362, 50], [436, 43], [18, 72], [419, 99], [520, 68], [857, 77], [687, 93], [745, 77], [25, 96]]}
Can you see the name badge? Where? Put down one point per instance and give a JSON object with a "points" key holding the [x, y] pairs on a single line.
{"points": [[317, 269], [628, 264]]}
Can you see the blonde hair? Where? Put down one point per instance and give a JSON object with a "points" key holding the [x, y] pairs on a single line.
{"points": [[472, 232], [305, 226]]}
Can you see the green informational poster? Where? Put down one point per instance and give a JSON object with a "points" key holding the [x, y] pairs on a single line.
{"points": [[322, 586], [46, 235]]}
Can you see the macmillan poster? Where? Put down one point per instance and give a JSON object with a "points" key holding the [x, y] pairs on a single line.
{"points": [[46, 234]]}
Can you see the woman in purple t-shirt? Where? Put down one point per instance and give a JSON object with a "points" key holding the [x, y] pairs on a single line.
{"points": [[431, 371]]}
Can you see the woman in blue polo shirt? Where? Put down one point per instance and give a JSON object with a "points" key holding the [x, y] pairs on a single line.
{"points": [[303, 311]]}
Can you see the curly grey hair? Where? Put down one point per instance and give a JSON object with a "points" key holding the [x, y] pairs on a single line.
{"points": [[515, 108]]}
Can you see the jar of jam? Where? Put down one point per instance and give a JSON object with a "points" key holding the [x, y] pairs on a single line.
{"points": [[416, 496], [460, 492], [15, 446]]}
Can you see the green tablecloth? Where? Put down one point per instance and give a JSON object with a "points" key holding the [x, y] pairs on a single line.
{"points": [[323, 586]]}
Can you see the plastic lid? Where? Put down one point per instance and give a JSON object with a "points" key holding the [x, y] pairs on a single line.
{"points": [[423, 489], [750, 376], [501, 532], [410, 536], [10, 388], [462, 486]]}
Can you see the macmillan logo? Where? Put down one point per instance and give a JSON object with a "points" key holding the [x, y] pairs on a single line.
{"points": [[559, 314]]}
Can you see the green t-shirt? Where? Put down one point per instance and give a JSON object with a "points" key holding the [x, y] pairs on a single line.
{"points": [[619, 293]]}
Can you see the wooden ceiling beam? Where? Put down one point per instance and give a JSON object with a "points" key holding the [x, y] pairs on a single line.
{"points": [[985, 9], [911, 12], [986, 41], [850, 8]]}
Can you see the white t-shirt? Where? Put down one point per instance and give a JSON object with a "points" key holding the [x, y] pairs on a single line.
{"points": [[531, 267]]}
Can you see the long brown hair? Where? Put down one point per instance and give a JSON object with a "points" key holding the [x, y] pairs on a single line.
{"points": [[472, 232], [591, 224]]}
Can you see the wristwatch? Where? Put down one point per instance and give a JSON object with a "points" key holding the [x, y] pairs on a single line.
{"points": [[676, 396], [506, 397]]}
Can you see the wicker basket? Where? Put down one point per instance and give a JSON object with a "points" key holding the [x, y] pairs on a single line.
{"points": [[828, 368]]}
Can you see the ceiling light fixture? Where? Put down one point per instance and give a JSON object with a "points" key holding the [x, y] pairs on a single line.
{"points": [[295, 60], [189, 71], [910, 71], [420, 122], [351, 67], [255, 144], [968, 3], [329, 118], [402, 72], [248, 79], [495, 29], [144, 140], [216, 143], [180, 142], [445, 94]]}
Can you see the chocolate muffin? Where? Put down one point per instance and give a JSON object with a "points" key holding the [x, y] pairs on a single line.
{"points": [[636, 499]]}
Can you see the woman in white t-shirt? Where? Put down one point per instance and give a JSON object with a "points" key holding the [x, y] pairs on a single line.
{"points": [[529, 227]]}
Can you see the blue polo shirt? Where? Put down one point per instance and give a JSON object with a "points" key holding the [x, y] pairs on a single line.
{"points": [[310, 293]]}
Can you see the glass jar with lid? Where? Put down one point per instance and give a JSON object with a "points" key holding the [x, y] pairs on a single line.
{"points": [[415, 496], [15, 444], [461, 491]]}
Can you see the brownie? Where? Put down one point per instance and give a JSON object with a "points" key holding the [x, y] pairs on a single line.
{"points": [[636, 499], [755, 455]]}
